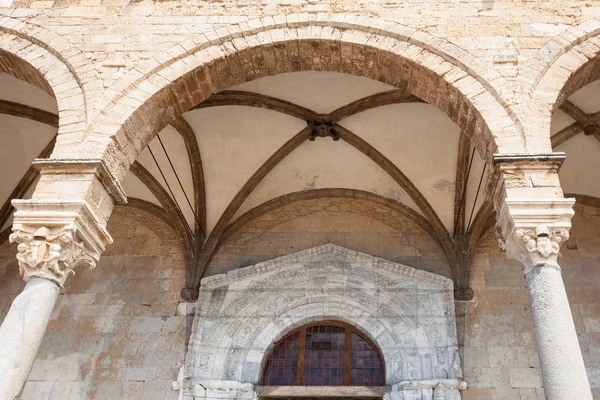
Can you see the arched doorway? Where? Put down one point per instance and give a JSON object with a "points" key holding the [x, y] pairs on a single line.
{"points": [[325, 356]]}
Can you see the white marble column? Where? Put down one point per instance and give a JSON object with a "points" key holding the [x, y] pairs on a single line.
{"points": [[531, 231]]}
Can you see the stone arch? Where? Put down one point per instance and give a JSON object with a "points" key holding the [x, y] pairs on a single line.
{"points": [[26, 54], [162, 88], [566, 63], [392, 352], [409, 314]]}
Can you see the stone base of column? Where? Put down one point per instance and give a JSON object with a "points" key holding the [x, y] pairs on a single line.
{"points": [[215, 389], [22, 332]]}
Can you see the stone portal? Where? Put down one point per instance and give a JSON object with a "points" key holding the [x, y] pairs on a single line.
{"points": [[408, 314]]}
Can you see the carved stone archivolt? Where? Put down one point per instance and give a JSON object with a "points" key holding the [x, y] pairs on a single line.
{"points": [[408, 313]]}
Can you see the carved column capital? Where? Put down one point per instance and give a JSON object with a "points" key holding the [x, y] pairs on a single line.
{"points": [[50, 255], [532, 230], [54, 237]]}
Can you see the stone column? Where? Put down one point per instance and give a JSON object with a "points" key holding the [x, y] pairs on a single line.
{"points": [[62, 227], [533, 221]]}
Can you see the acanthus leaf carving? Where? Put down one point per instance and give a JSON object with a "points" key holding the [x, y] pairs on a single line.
{"points": [[50, 254], [542, 246], [532, 231]]}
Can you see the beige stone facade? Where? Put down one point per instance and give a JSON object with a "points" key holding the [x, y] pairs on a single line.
{"points": [[162, 153]]}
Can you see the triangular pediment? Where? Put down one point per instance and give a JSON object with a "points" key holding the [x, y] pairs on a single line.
{"points": [[324, 256]]}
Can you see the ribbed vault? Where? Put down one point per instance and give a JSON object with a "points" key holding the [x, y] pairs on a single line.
{"points": [[159, 183], [170, 178]]}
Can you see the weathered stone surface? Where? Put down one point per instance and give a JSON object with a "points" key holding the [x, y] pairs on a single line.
{"points": [[22, 331], [114, 333], [497, 69], [241, 314]]}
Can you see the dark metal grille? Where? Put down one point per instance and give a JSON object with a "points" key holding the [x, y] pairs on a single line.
{"points": [[282, 366], [324, 356], [366, 367], [332, 354]]}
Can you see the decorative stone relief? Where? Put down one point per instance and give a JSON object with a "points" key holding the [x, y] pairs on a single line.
{"points": [[48, 255], [532, 231], [542, 246], [53, 238], [408, 313]]}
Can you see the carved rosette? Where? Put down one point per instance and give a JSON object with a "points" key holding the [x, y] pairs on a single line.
{"points": [[532, 231], [50, 255]]}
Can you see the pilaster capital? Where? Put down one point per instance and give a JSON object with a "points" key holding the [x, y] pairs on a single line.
{"points": [[54, 237], [532, 230]]}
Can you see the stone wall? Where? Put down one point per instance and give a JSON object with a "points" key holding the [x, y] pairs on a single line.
{"points": [[114, 333], [117, 34], [109, 44], [352, 223]]}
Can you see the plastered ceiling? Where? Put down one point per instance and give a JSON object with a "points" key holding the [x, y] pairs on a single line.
{"points": [[234, 141]]}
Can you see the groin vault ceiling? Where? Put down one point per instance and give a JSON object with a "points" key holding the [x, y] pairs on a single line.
{"points": [[272, 139]]}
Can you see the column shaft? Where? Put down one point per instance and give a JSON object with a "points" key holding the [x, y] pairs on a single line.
{"points": [[563, 371], [21, 334]]}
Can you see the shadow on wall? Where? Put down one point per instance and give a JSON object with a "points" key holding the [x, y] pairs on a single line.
{"points": [[353, 224]]}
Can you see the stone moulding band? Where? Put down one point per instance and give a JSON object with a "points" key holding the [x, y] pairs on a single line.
{"points": [[430, 384], [556, 157], [433, 389], [313, 391], [238, 275], [530, 213]]}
